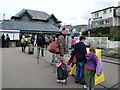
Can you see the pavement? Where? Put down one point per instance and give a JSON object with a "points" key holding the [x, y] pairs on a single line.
{"points": [[20, 70]]}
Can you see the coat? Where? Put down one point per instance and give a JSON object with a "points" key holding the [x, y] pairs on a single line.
{"points": [[80, 52], [62, 44]]}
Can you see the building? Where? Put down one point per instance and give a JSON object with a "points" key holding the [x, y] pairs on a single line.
{"points": [[36, 16], [29, 21], [106, 17]]}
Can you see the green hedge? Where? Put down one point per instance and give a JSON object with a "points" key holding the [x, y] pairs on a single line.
{"points": [[113, 33]]}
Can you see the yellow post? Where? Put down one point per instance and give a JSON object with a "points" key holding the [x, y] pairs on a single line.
{"points": [[99, 79]]}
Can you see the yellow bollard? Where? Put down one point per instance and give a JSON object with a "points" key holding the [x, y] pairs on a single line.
{"points": [[99, 79]]}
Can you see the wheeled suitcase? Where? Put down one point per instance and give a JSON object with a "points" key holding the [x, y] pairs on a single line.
{"points": [[62, 73], [30, 49]]}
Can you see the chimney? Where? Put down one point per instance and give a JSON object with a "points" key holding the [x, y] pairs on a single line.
{"points": [[3, 16]]}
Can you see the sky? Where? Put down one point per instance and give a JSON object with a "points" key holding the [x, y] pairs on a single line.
{"points": [[74, 12]]}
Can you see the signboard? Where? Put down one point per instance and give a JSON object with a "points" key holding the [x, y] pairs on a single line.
{"points": [[13, 34]]}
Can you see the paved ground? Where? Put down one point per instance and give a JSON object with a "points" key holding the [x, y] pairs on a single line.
{"points": [[0, 68], [20, 70]]}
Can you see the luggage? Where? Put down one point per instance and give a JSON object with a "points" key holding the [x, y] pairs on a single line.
{"points": [[30, 49], [62, 73]]}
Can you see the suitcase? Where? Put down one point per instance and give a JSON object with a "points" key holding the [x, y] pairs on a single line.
{"points": [[62, 73], [30, 49]]}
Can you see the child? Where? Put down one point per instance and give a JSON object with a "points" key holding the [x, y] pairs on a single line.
{"points": [[92, 61]]}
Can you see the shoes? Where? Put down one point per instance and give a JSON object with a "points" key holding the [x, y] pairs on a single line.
{"points": [[61, 81], [76, 81], [85, 87], [82, 83]]}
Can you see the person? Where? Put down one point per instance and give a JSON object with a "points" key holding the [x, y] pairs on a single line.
{"points": [[46, 41], [23, 43], [73, 42], [7, 40], [35, 44], [32, 39], [3, 40], [80, 52], [61, 39], [40, 44], [92, 61]]}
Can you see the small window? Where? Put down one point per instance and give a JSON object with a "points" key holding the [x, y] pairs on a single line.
{"points": [[97, 22], [104, 12], [110, 10], [96, 14], [102, 22], [107, 21]]}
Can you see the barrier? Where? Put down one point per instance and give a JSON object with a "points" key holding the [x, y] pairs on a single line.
{"points": [[99, 79]]}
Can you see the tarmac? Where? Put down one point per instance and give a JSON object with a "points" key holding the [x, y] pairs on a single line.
{"points": [[20, 70]]}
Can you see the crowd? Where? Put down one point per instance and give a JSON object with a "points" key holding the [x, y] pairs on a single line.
{"points": [[79, 55], [90, 60]]}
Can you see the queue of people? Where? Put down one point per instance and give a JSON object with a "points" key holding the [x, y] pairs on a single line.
{"points": [[79, 51]]}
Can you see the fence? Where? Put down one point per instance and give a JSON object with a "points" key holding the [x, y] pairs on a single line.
{"points": [[102, 42]]}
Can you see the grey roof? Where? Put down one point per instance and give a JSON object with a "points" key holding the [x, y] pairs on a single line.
{"points": [[20, 25], [103, 9], [70, 27], [79, 27], [34, 14]]}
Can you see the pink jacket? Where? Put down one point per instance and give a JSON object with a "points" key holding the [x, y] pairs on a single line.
{"points": [[73, 41]]}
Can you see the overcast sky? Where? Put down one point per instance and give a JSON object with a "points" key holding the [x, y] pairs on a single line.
{"points": [[72, 12]]}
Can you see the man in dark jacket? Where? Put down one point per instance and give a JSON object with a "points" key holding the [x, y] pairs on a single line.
{"points": [[80, 52], [40, 44]]}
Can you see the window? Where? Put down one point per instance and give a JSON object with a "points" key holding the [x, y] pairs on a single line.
{"points": [[107, 21], [97, 23], [102, 22], [96, 14], [104, 12], [110, 10]]}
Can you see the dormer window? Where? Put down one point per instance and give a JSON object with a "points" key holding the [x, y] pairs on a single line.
{"points": [[25, 18]]}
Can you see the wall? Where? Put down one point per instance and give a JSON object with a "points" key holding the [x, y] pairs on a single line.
{"points": [[102, 42], [113, 44]]}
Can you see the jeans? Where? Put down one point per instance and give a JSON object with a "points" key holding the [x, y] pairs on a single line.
{"points": [[90, 79], [38, 51], [23, 47], [79, 72]]}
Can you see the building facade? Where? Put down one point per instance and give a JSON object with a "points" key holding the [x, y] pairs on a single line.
{"points": [[106, 17]]}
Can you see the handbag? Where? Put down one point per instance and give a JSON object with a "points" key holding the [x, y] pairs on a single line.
{"points": [[54, 48], [74, 59]]}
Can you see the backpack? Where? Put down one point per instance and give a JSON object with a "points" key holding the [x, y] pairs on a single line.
{"points": [[40, 39], [99, 68]]}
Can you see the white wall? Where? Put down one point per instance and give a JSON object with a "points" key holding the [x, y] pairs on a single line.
{"points": [[113, 44], [119, 3], [102, 42]]}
